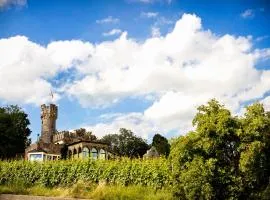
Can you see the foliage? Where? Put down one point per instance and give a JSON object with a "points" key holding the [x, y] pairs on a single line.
{"points": [[254, 163], [154, 173], [162, 145], [126, 144], [225, 157], [14, 131], [83, 134]]}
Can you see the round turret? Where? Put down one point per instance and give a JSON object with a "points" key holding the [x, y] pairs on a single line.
{"points": [[48, 122]]}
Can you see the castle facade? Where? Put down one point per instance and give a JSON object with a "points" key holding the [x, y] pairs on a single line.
{"points": [[54, 145]]}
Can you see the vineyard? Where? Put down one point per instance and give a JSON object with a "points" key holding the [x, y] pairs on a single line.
{"points": [[154, 173]]}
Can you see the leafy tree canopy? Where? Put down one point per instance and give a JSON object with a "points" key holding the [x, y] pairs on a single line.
{"points": [[126, 144], [14, 131], [86, 135], [162, 145], [226, 157]]}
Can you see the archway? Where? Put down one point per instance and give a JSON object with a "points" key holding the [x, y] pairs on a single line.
{"points": [[85, 152], [102, 154], [94, 153]]}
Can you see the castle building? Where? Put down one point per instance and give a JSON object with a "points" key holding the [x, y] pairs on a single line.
{"points": [[52, 145]]}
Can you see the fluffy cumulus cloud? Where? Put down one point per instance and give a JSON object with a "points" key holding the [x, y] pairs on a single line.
{"points": [[136, 122], [183, 69], [26, 68], [23, 70], [177, 71]]}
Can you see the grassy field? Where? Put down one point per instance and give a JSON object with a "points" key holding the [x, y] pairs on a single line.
{"points": [[91, 191]]}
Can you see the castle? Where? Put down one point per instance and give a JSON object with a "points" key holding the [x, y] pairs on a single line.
{"points": [[53, 145]]}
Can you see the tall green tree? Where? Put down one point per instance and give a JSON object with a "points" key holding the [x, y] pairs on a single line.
{"points": [[205, 162], [225, 157], [14, 131], [126, 144], [162, 145], [254, 150]]}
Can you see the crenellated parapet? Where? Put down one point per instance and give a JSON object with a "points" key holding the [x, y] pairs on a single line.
{"points": [[50, 111], [61, 137], [68, 137]]}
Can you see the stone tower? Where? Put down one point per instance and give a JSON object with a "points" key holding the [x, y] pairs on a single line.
{"points": [[48, 122]]}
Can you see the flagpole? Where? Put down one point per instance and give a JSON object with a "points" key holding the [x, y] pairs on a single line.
{"points": [[51, 96]]}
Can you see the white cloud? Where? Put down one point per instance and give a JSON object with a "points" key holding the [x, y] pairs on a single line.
{"points": [[183, 69], [113, 32], [108, 20], [6, 3], [26, 67], [176, 71], [149, 14], [66, 54], [131, 121], [23, 67], [249, 13], [174, 108]]}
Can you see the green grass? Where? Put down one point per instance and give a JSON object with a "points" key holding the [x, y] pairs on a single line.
{"points": [[130, 192], [91, 191]]}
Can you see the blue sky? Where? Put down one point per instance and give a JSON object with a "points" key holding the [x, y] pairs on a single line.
{"points": [[141, 64]]}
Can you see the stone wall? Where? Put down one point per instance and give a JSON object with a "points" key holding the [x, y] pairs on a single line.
{"points": [[48, 122]]}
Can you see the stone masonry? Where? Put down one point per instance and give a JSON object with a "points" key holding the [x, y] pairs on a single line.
{"points": [[48, 122]]}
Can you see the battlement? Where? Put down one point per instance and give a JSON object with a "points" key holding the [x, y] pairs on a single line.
{"points": [[60, 136], [49, 111], [71, 136]]}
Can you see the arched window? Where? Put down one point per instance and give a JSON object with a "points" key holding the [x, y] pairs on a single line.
{"points": [[102, 154], [94, 153], [85, 152]]}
